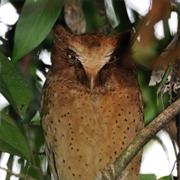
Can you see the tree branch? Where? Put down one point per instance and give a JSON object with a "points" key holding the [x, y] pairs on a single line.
{"points": [[141, 139]]}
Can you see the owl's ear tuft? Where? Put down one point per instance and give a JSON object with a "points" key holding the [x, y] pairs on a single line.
{"points": [[61, 33], [124, 41], [126, 36], [123, 49]]}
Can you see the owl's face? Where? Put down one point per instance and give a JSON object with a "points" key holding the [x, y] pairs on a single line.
{"points": [[88, 57]]}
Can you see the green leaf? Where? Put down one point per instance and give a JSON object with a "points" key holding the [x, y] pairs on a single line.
{"points": [[93, 20], [36, 21], [147, 177], [153, 104], [148, 95], [12, 140], [14, 86], [166, 178]]}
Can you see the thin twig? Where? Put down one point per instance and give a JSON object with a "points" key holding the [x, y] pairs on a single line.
{"points": [[141, 139]]}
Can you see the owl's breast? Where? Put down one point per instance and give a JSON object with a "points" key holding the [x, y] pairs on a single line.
{"points": [[88, 129]]}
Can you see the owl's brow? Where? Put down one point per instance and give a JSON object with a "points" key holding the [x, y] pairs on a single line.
{"points": [[111, 54]]}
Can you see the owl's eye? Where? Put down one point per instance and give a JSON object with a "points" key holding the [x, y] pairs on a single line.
{"points": [[73, 59], [69, 56]]}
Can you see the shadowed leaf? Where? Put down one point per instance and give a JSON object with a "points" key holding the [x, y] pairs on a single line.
{"points": [[14, 86], [12, 139]]}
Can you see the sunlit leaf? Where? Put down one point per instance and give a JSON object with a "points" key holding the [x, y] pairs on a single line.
{"points": [[147, 177], [12, 140], [36, 21], [166, 178], [14, 86]]}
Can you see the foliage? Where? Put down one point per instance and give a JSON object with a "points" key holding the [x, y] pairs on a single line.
{"points": [[153, 177], [20, 130]]}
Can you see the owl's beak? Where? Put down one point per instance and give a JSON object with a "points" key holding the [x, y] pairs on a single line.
{"points": [[91, 83], [92, 72], [92, 77]]}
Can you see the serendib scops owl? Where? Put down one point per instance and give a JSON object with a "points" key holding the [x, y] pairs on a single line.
{"points": [[91, 107]]}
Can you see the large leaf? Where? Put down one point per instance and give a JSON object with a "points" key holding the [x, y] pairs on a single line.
{"points": [[14, 86], [36, 20], [12, 140]]}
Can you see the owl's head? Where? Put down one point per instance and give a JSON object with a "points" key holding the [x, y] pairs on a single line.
{"points": [[90, 56]]}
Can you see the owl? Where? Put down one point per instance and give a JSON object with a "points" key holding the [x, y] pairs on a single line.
{"points": [[91, 107]]}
